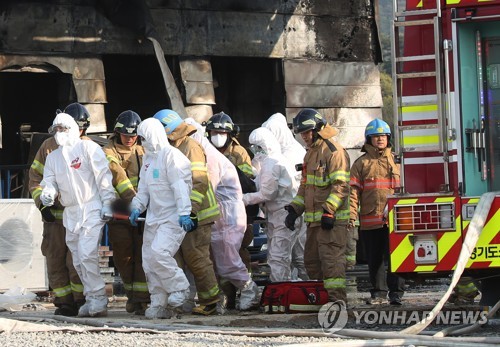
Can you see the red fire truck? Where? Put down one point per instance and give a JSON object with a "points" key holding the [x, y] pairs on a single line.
{"points": [[446, 80]]}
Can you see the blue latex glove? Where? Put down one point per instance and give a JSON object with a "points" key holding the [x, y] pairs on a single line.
{"points": [[133, 216], [106, 213], [186, 223]]}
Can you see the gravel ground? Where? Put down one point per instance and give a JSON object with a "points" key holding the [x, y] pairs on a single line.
{"points": [[50, 339], [198, 331]]}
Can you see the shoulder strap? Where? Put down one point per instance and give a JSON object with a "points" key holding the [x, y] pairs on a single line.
{"points": [[330, 145]]}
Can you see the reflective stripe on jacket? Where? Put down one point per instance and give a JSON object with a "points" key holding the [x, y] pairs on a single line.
{"points": [[325, 185], [374, 176], [238, 155], [203, 201], [125, 164]]}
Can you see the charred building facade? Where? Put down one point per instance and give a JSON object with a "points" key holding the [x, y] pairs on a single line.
{"points": [[247, 58]]}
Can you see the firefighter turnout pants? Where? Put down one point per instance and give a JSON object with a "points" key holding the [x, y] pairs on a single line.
{"points": [[195, 254], [126, 241], [324, 258], [62, 275]]}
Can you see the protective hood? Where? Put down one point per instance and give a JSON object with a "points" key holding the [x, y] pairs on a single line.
{"points": [[278, 126], [264, 138], [66, 121], [153, 133]]}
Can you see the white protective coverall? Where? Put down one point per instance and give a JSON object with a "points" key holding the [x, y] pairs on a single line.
{"points": [[228, 230], [164, 189], [294, 152], [78, 172], [276, 187]]}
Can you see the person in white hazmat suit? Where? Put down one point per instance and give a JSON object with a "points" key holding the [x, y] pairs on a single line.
{"points": [[276, 187], [78, 172], [164, 189], [294, 152], [229, 229]]}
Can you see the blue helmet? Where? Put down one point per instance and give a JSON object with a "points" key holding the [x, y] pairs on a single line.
{"points": [[377, 127], [170, 120]]}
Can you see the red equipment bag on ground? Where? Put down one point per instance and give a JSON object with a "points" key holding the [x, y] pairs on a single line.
{"points": [[293, 297]]}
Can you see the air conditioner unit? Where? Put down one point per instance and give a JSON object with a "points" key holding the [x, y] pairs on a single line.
{"points": [[21, 261]]}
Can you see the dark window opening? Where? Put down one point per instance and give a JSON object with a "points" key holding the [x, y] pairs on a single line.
{"points": [[133, 83], [249, 90]]}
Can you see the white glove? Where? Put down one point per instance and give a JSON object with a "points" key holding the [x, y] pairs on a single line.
{"points": [[106, 213], [47, 198]]}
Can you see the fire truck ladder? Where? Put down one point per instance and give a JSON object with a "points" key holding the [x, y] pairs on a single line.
{"points": [[403, 19]]}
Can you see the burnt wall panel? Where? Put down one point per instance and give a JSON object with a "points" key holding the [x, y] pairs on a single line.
{"points": [[337, 96], [330, 30], [320, 8], [331, 73]]}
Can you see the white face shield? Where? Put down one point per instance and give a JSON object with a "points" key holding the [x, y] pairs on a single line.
{"points": [[219, 140]]}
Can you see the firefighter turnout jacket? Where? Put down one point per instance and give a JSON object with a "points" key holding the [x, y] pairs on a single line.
{"points": [[125, 164], [203, 201], [325, 180], [238, 155], [374, 176]]}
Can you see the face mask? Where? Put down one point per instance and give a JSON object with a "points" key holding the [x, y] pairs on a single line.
{"points": [[148, 147], [219, 140], [62, 138]]}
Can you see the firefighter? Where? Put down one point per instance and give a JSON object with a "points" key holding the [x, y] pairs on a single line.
{"points": [[195, 248], [323, 197], [293, 151], [164, 189], [222, 133], [63, 278], [78, 173], [276, 187], [228, 231], [374, 176], [81, 117], [124, 155]]}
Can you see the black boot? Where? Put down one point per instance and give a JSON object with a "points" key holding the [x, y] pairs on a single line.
{"points": [[66, 310]]}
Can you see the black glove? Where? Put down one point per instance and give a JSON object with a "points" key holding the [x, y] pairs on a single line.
{"points": [[194, 219], [327, 220], [47, 214], [290, 219]]}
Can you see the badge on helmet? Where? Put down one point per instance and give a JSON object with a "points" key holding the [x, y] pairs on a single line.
{"points": [[127, 123], [79, 114], [169, 118], [308, 119], [377, 127]]}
